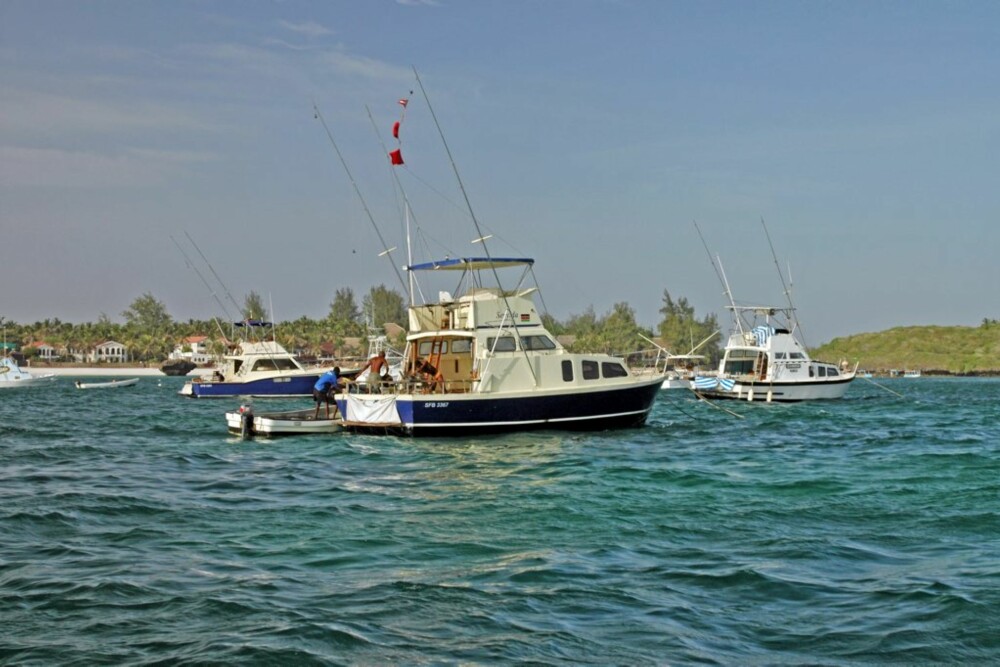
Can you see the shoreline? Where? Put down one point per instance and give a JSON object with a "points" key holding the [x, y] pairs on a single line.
{"points": [[96, 371]]}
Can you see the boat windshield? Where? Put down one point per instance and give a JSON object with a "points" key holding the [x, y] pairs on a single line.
{"points": [[274, 364]]}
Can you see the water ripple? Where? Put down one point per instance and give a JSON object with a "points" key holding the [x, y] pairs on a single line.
{"points": [[856, 532]]}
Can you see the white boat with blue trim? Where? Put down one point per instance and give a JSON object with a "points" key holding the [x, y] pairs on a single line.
{"points": [[259, 368], [764, 361], [484, 363]]}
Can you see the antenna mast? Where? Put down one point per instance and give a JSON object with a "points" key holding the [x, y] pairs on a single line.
{"points": [[406, 209]]}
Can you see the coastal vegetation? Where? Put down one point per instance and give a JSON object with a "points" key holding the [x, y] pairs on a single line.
{"points": [[947, 349], [150, 333]]}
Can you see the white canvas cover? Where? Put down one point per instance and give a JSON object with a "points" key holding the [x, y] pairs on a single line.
{"points": [[371, 410]]}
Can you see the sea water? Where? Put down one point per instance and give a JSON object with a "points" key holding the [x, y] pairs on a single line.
{"points": [[135, 530]]}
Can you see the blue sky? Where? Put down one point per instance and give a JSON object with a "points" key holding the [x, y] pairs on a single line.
{"points": [[589, 134]]}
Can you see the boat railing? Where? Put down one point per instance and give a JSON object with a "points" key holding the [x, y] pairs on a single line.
{"points": [[415, 386]]}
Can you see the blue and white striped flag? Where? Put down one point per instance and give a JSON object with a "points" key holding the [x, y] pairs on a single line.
{"points": [[727, 384], [762, 334], [701, 382]]}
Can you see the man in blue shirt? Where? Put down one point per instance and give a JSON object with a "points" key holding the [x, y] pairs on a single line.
{"points": [[325, 389]]}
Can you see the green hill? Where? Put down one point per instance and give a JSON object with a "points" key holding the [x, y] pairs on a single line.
{"points": [[962, 350]]}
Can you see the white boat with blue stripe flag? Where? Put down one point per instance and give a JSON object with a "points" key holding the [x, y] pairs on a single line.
{"points": [[766, 362], [764, 358]]}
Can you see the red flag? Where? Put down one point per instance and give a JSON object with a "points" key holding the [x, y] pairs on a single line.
{"points": [[396, 156], [404, 101], [395, 130]]}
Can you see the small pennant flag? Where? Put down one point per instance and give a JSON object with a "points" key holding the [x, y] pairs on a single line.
{"points": [[395, 129], [396, 156], [403, 101]]}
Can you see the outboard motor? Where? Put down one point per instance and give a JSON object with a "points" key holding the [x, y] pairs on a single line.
{"points": [[246, 422]]}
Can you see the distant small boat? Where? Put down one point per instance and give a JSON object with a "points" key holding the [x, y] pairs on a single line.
{"points": [[911, 374], [247, 424], [110, 384]]}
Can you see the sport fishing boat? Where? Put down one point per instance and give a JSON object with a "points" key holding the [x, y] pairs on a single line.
{"points": [[13, 377], [764, 358], [484, 363], [764, 361], [260, 368]]}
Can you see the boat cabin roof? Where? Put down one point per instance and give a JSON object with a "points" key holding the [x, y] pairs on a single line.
{"points": [[447, 333], [471, 263]]}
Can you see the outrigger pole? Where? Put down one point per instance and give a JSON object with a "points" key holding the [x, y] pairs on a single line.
{"points": [[386, 250], [210, 289], [480, 238], [788, 290]]}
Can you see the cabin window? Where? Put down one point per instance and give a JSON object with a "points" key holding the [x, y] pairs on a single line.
{"points": [[502, 344], [537, 343], [589, 370], [461, 345], [429, 347], [740, 362], [822, 371], [779, 355], [567, 370], [613, 369], [832, 372], [796, 355], [274, 365]]}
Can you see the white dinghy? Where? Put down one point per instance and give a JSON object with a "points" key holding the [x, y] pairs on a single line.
{"points": [[109, 384]]}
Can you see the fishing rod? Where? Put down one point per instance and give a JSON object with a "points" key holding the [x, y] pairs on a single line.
{"points": [[786, 288], [211, 291], [720, 273], [386, 250], [481, 238]]}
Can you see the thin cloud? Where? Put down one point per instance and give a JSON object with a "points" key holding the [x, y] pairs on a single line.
{"points": [[57, 168], [24, 112], [369, 68], [310, 29]]}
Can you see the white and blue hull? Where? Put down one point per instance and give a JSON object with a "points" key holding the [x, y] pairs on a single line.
{"points": [[279, 386], [776, 392], [466, 414]]}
